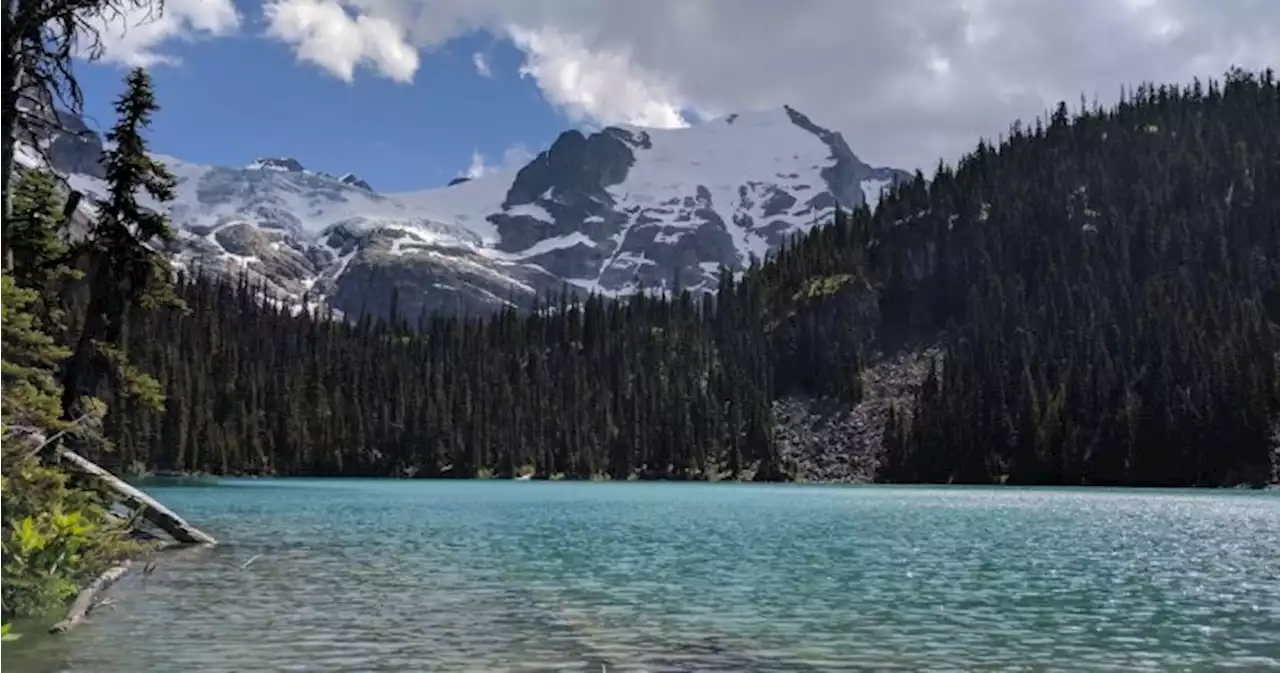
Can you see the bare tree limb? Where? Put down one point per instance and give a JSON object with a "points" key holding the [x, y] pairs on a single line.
{"points": [[36, 435], [84, 601]]}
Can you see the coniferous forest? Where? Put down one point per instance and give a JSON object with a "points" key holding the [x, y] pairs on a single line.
{"points": [[1104, 284]]}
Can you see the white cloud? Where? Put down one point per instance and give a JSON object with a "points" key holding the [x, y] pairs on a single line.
{"points": [[513, 157], [134, 38], [595, 84], [482, 64], [324, 34], [477, 167], [907, 82], [516, 156]]}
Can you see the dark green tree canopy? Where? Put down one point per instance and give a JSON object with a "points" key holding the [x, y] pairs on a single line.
{"points": [[1104, 287]]}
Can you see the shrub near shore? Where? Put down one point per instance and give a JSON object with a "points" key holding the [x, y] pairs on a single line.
{"points": [[57, 535], [61, 316]]}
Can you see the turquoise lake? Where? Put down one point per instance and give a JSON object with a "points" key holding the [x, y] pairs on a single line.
{"points": [[351, 575]]}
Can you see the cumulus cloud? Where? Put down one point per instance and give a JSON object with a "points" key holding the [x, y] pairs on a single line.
{"points": [[135, 38], [324, 34], [601, 84], [482, 64], [907, 82]]}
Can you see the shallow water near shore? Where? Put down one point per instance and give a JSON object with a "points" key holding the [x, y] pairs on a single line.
{"points": [[355, 575]]}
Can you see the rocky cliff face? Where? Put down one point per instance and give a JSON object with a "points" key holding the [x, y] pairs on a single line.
{"points": [[655, 208], [830, 440], [609, 212]]}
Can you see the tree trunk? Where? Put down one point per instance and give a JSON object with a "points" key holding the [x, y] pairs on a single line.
{"points": [[84, 601], [9, 96], [78, 375], [153, 511], [10, 120], [76, 369]]}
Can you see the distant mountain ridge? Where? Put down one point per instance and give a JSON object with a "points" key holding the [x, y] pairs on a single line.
{"points": [[609, 212]]}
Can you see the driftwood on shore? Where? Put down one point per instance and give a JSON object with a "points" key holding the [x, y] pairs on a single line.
{"points": [[85, 600], [152, 510]]}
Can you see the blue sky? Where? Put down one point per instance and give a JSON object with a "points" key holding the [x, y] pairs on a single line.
{"points": [[233, 99]]}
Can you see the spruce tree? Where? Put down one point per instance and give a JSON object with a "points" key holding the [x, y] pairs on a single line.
{"points": [[124, 269], [31, 394], [40, 43], [1100, 287]]}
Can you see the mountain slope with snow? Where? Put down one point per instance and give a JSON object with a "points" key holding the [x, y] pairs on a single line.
{"points": [[612, 212]]}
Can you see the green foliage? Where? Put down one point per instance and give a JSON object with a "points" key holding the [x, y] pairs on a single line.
{"points": [[41, 256], [56, 535], [124, 271], [125, 227], [134, 385], [585, 389], [31, 393], [1104, 287]]}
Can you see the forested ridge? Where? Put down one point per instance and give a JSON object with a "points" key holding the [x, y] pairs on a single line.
{"points": [[1104, 285], [574, 390]]}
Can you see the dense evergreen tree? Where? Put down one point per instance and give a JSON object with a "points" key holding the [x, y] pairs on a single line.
{"points": [[43, 260], [598, 388], [124, 271], [41, 42], [58, 533], [31, 393], [1105, 286]]}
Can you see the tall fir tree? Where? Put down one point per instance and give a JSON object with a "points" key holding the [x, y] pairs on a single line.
{"points": [[124, 270]]}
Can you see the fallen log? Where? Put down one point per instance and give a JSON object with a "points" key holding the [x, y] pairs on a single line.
{"points": [[84, 601], [146, 535], [163, 517]]}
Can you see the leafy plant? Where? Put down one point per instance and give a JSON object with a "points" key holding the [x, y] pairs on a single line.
{"points": [[57, 536], [5, 635], [58, 532]]}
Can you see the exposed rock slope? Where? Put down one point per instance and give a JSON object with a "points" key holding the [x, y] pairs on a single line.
{"points": [[824, 440]]}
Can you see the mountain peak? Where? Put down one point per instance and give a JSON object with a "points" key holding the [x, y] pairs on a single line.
{"points": [[277, 164], [609, 211], [355, 181]]}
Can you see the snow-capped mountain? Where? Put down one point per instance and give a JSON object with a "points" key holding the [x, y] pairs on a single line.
{"points": [[611, 212]]}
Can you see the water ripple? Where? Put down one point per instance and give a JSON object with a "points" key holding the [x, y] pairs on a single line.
{"points": [[428, 576]]}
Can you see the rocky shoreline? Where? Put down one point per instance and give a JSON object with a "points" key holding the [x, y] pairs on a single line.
{"points": [[829, 441]]}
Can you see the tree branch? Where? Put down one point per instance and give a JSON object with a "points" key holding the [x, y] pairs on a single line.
{"points": [[84, 602]]}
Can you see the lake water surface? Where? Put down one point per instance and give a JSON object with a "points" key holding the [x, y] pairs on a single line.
{"points": [[350, 575]]}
